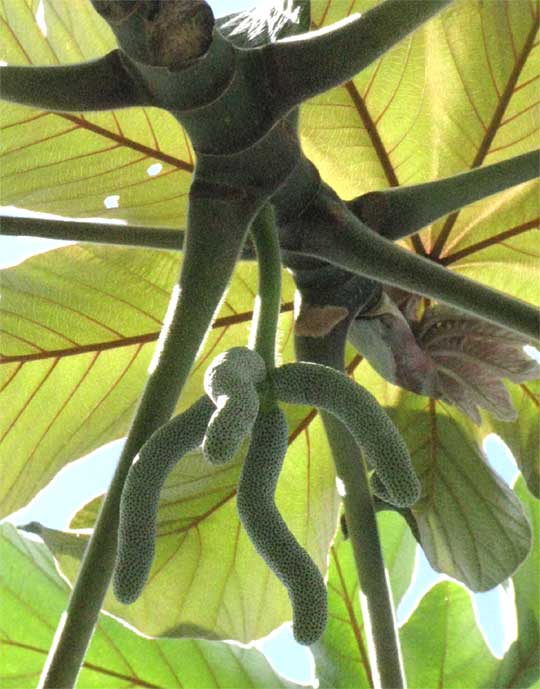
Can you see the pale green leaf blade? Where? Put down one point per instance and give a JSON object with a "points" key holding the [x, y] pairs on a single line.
{"points": [[34, 598], [393, 125], [399, 550], [523, 436], [471, 524], [77, 164], [341, 655], [79, 329], [442, 644]]}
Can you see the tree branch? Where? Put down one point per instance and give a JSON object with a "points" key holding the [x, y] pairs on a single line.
{"points": [[401, 211], [102, 84], [94, 232], [304, 66], [216, 231], [329, 231], [136, 236]]}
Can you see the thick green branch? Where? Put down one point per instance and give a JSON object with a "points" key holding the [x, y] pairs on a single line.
{"points": [[268, 304], [402, 211], [216, 232], [329, 231], [386, 666], [305, 66], [101, 84]]}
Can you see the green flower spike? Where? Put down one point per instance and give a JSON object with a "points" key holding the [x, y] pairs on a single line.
{"points": [[323, 387], [230, 382], [140, 496], [269, 533]]}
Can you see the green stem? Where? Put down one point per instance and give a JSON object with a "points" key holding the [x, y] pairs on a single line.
{"points": [[102, 84], [136, 236], [332, 233], [401, 211], [268, 305], [378, 611], [216, 231], [98, 233], [304, 66]]}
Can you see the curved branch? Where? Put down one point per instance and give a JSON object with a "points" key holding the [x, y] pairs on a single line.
{"points": [[303, 66], [102, 84], [328, 230], [217, 227], [401, 211]]}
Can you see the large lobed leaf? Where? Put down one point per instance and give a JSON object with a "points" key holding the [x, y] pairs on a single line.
{"points": [[117, 657]]}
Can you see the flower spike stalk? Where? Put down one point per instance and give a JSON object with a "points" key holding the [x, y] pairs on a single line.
{"points": [[377, 606]]}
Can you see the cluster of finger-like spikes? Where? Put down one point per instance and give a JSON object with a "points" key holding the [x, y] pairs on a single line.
{"points": [[241, 399]]}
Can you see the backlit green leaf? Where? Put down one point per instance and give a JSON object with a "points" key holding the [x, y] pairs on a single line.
{"points": [[80, 326], [442, 644], [471, 525], [117, 657], [520, 666]]}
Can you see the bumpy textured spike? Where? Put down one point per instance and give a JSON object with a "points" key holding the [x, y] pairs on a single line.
{"points": [[379, 490], [269, 533], [230, 383], [371, 427], [140, 496]]}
